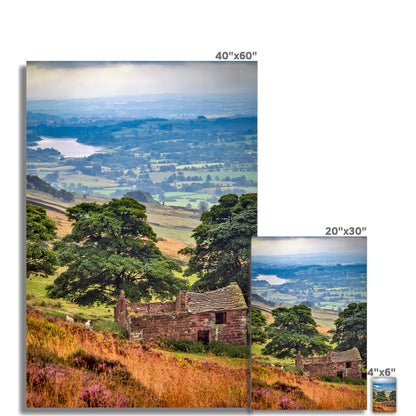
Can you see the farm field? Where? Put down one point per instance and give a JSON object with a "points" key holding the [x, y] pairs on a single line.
{"points": [[179, 162], [322, 286]]}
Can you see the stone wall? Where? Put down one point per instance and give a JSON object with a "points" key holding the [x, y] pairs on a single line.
{"points": [[184, 325], [324, 366], [333, 369], [177, 320], [153, 308]]}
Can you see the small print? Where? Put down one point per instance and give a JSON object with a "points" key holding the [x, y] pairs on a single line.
{"points": [[384, 394]]}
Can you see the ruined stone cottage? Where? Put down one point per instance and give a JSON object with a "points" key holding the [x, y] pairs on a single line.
{"points": [[336, 363], [218, 315]]}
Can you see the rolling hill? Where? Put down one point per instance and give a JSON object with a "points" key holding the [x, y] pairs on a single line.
{"points": [[173, 225]]}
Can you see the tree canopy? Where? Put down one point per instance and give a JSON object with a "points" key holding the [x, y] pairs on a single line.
{"points": [[380, 396], [294, 330], [351, 329], [258, 323], [222, 252], [40, 229], [112, 248]]}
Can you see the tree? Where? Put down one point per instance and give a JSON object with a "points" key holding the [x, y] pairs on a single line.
{"points": [[294, 330], [351, 329], [381, 396], [258, 322], [112, 248], [222, 252], [40, 229], [202, 207], [392, 396]]}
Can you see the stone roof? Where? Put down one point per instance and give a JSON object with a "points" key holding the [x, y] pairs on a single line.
{"points": [[351, 355], [224, 299]]}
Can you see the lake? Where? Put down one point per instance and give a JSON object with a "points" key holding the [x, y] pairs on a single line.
{"points": [[68, 147], [272, 279]]}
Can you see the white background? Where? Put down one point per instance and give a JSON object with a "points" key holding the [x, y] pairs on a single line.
{"points": [[336, 107]]}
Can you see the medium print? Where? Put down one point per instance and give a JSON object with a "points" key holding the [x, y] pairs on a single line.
{"points": [[141, 205], [309, 323]]}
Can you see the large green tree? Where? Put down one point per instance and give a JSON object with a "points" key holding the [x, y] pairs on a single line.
{"points": [[258, 323], [111, 247], [294, 330], [351, 329], [222, 252], [381, 396], [40, 230]]}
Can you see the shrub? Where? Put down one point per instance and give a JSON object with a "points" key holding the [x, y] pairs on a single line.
{"points": [[215, 347], [182, 345], [346, 380], [356, 381], [91, 362], [36, 354], [96, 396], [38, 374], [232, 351], [110, 326], [288, 404]]}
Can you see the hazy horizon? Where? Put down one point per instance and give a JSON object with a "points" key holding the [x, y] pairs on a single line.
{"points": [[61, 80]]}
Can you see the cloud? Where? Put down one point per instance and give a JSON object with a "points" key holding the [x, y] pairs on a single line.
{"points": [[85, 79], [263, 246]]}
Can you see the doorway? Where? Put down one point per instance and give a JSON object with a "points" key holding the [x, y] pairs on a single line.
{"points": [[203, 336]]}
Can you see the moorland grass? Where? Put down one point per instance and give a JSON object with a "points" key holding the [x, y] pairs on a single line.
{"points": [[70, 366]]}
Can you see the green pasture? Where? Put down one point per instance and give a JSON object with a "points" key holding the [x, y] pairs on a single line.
{"points": [[87, 180], [37, 298]]}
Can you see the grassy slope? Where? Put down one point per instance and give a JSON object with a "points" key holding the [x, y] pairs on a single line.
{"points": [[275, 389], [36, 298], [324, 318], [174, 223], [167, 218], [134, 377], [70, 366]]}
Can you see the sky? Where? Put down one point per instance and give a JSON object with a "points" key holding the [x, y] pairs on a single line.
{"points": [[263, 246], [384, 383], [74, 80]]}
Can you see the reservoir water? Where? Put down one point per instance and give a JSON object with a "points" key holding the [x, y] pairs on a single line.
{"points": [[272, 279], [68, 147]]}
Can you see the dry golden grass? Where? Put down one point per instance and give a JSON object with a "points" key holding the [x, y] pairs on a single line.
{"points": [[378, 408], [170, 247], [324, 330], [170, 221], [63, 225], [276, 389], [109, 372]]}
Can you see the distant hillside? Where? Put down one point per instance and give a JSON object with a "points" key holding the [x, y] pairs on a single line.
{"points": [[327, 286], [259, 300], [34, 182], [179, 162], [173, 225], [325, 318], [141, 196]]}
